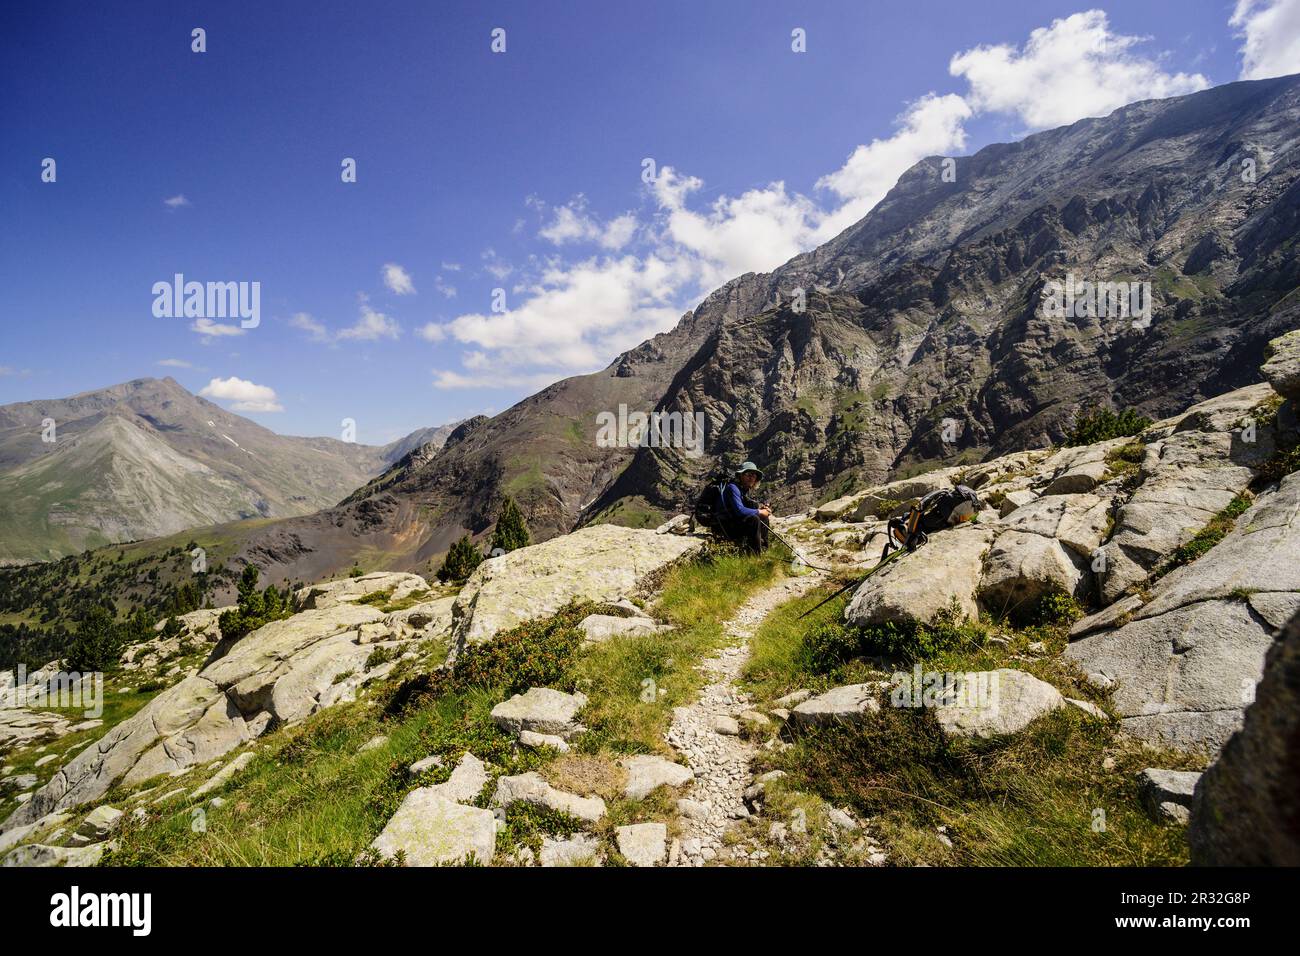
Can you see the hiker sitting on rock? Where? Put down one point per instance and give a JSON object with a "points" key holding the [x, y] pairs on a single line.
{"points": [[740, 519]]}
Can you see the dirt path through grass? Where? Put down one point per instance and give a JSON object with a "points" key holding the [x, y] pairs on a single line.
{"points": [[721, 760]]}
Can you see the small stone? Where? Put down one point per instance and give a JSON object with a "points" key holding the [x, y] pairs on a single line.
{"points": [[535, 741], [840, 819], [100, 822], [1087, 707], [1175, 811], [793, 699], [693, 809], [374, 743], [727, 726], [643, 844], [851, 703], [581, 849], [428, 763], [1160, 788], [646, 773]]}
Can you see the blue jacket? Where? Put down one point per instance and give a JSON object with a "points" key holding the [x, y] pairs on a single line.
{"points": [[733, 503]]}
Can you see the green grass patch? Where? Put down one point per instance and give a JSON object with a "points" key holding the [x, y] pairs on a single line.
{"points": [[1062, 792], [1205, 539], [634, 684]]}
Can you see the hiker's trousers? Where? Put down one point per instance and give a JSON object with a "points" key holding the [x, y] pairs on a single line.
{"points": [[748, 531]]}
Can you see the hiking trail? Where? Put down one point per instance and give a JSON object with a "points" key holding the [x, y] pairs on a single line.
{"points": [[721, 760]]}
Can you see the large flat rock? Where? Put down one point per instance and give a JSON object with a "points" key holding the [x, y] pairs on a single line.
{"points": [[1187, 660], [603, 563], [992, 703], [434, 831], [400, 584], [915, 587], [1246, 807]]}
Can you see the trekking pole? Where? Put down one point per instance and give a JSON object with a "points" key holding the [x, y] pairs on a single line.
{"points": [[852, 584], [795, 551]]}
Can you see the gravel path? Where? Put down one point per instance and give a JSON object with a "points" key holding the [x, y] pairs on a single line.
{"points": [[721, 761]]}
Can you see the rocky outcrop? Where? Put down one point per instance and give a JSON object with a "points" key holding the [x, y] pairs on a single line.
{"points": [[276, 675], [430, 830], [1194, 466], [604, 563], [397, 585], [992, 703], [912, 589], [541, 710], [1184, 663], [1246, 808], [1282, 367]]}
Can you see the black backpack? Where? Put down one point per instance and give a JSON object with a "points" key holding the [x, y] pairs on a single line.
{"points": [[936, 511], [708, 503]]}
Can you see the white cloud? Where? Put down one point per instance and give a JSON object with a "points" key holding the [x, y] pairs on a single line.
{"points": [[495, 265], [398, 279], [1270, 31], [174, 363], [447, 380], [1074, 68], [931, 126], [175, 202], [451, 267], [443, 286], [574, 316], [316, 331], [210, 330], [371, 326], [246, 396], [572, 223]]}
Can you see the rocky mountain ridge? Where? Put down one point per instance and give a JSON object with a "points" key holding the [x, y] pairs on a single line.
{"points": [[146, 459]]}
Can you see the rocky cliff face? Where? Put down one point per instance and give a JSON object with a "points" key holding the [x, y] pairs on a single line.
{"points": [[930, 310], [922, 339]]}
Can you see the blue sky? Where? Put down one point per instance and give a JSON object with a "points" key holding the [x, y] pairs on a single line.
{"points": [[476, 171]]}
